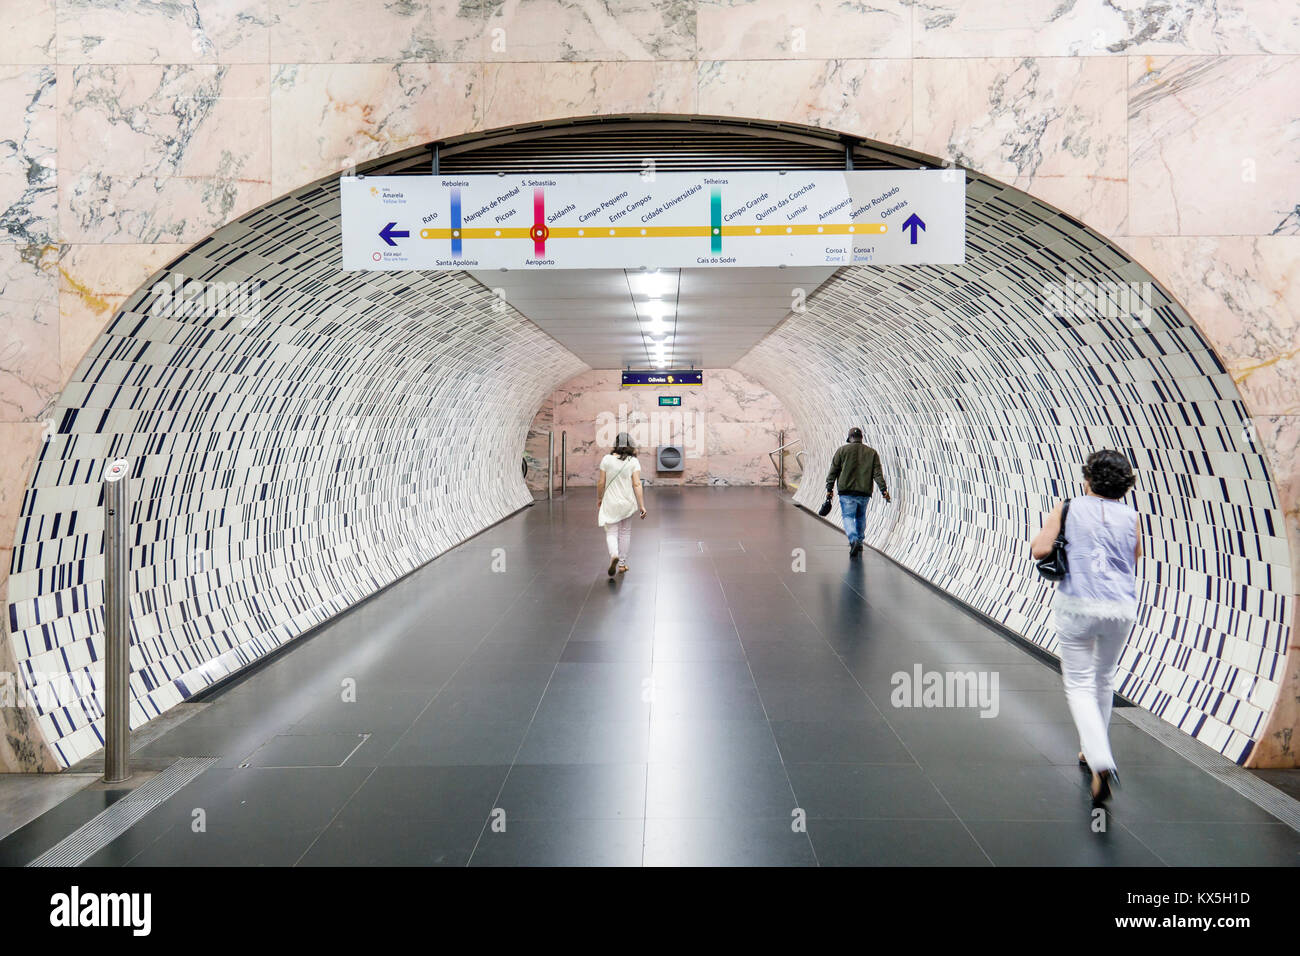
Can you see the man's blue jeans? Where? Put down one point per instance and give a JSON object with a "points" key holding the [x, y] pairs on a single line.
{"points": [[853, 511]]}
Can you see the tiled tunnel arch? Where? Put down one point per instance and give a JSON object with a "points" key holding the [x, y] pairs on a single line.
{"points": [[287, 462], [360, 424], [984, 402]]}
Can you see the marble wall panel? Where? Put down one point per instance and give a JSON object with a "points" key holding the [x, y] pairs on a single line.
{"points": [[552, 31], [871, 98], [973, 28], [813, 29], [1053, 127], [28, 154], [160, 153], [30, 375], [726, 427], [326, 118], [520, 92], [126, 31], [94, 281], [360, 31], [31, 27], [1214, 146]]}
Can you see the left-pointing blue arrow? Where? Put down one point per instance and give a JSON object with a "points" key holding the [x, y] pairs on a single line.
{"points": [[391, 232]]}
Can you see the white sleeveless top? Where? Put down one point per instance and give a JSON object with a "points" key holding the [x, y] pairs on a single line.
{"points": [[1101, 536], [620, 500]]}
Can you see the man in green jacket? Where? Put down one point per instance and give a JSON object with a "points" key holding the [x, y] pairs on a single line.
{"points": [[856, 466]]}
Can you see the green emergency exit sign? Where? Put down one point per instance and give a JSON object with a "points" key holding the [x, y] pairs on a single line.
{"points": [[670, 400]]}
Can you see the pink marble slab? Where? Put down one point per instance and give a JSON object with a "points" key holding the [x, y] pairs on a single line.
{"points": [[326, 118], [160, 154]]}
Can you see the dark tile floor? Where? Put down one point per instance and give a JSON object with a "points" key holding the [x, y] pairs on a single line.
{"points": [[713, 706]]}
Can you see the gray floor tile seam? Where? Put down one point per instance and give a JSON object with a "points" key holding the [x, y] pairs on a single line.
{"points": [[857, 763], [889, 723], [14, 820], [794, 796], [948, 803], [1192, 821], [514, 760], [645, 796], [487, 634], [166, 831], [1065, 771], [889, 613], [875, 706], [121, 816], [342, 804], [1284, 808], [841, 658]]}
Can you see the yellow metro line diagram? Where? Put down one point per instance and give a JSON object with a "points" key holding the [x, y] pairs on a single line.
{"points": [[641, 232], [539, 232]]}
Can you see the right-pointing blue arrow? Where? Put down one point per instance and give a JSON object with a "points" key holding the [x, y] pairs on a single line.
{"points": [[914, 223]]}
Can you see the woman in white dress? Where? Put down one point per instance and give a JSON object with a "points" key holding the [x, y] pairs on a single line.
{"points": [[618, 494]]}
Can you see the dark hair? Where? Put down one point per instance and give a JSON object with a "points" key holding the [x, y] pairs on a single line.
{"points": [[855, 434], [1109, 473], [623, 446]]}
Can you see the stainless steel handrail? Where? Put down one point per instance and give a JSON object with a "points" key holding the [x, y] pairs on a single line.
{"points": [[780, 465], [782, 448]]}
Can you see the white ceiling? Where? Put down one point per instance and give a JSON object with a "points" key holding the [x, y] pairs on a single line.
{"points": [[711, 316]]}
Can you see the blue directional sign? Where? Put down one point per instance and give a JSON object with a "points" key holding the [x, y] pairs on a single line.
{"points": [[390, 232], [662, 377], [913, 222]]}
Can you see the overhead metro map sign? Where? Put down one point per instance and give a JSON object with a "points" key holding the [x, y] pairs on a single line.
{"points": [[673, 220]]}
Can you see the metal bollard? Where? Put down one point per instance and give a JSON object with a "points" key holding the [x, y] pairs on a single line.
{"points": [[117, 623], [550, 467], [780, 468], [564, 463]]}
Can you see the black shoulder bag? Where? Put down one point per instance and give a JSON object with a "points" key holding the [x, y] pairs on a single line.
{"points": [[1055, 566]]}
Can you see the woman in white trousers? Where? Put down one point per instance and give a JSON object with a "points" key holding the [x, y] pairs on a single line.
{"points": [[619, 497], [1096, 603]]}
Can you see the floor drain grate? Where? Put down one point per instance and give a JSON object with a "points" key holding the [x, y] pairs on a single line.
{"points": [[1264, 795], [93, 835]]}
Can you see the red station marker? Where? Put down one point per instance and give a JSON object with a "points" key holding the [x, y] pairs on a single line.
{"points": [[539, 232]]}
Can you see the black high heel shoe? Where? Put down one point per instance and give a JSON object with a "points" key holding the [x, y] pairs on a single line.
{"points": [[1101, 784]]}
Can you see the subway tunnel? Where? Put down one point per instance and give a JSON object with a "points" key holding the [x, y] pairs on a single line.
{"points": [[361, 435]]}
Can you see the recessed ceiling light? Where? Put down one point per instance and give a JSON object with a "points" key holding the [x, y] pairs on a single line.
{"points": [[653, 284], [655, 308]]}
